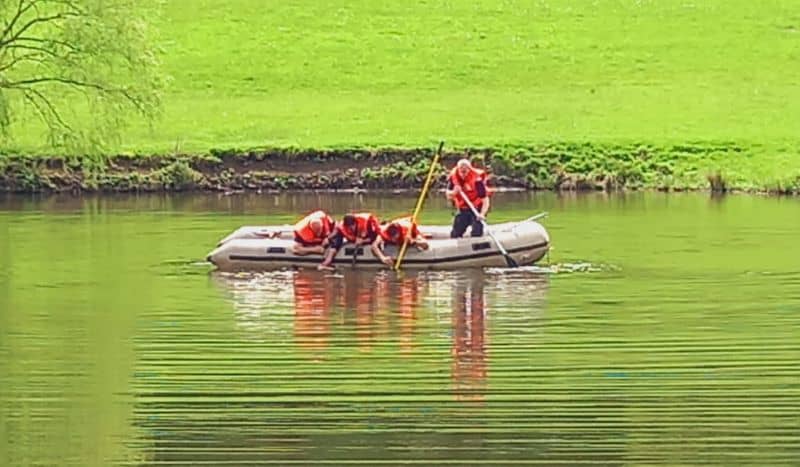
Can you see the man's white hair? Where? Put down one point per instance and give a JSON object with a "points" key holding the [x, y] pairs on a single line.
{"points": [[464, 163]]}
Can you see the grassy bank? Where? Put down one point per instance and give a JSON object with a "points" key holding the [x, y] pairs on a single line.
{"points": [[545, 167], [501, 74]]}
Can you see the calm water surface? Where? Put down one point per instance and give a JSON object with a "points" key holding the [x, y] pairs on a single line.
{"points": [[662, 329]]}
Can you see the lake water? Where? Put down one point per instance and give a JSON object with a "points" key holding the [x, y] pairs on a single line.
{"points": [[661, 329]]}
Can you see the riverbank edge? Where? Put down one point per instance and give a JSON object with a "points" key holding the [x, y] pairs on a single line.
{"points": [[556, 167]]}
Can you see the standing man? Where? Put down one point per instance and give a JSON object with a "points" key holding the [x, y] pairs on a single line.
{"points": [[466, 179]]}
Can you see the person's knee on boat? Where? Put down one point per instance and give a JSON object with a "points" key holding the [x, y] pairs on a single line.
{"points": [[312, 233], [395, 232]]}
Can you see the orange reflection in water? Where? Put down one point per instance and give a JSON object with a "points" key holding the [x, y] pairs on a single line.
{"points": [[363, 308], [469, 364], [314, 298], [408, 303], [376, 307]]}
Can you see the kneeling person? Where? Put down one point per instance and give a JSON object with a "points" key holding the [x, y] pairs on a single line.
{"points": [[311, 234], [358, 229], [395, 233]]}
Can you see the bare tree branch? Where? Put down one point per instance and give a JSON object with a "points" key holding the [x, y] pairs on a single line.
{"points": [[34, 22], [51, 109], [43, 50], [20, 11], [54, 42], [51, 79], [52, 52], [137, 102], [29, 57]]}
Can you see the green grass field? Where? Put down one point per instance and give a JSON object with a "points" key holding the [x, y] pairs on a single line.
{"points": [[254, 73]]}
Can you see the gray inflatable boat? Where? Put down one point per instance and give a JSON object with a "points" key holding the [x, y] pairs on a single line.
{"points": [[255, 248]]}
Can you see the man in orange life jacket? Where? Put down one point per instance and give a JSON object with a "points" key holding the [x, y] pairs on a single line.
{"points": [[311, 233], [359, 229], [471, 181], [394, 233]]}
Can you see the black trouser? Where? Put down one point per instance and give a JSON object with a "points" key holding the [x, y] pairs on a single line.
{"points": [[464, 219], [338, 239]]}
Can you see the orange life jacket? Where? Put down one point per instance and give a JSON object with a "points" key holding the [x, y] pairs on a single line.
{"points": [[405, 226], [304, 231], [365, 223], [468, 186]]}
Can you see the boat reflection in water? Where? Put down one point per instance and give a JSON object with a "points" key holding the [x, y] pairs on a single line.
{"points": [[423, 315], [300, 367]]}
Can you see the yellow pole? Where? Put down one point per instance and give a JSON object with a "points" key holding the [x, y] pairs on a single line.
{"points": [[418, 207]]}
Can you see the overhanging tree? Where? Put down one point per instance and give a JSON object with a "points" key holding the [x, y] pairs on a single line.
{"points": [[81, 67]]}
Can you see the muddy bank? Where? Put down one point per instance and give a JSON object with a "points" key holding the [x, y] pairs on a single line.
{"points": [[547, 167]]}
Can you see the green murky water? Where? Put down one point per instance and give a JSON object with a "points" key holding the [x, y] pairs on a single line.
{"points": [[663, 329]]}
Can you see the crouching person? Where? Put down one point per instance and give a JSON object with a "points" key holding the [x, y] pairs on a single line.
{"points": [[395, 232], [312, 234], [358, 229]]}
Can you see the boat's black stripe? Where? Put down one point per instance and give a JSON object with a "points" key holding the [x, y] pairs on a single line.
{"points": [[305, 259]]}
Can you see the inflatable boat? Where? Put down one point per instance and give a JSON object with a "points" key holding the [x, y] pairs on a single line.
{"points": [[270, 247]]}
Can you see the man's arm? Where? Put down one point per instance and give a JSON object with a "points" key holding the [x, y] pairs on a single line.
{"points": [[480, 187], [452, 190], [418, 241], [328, 241], [484, 206], [377, 250], [333, 233]]}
